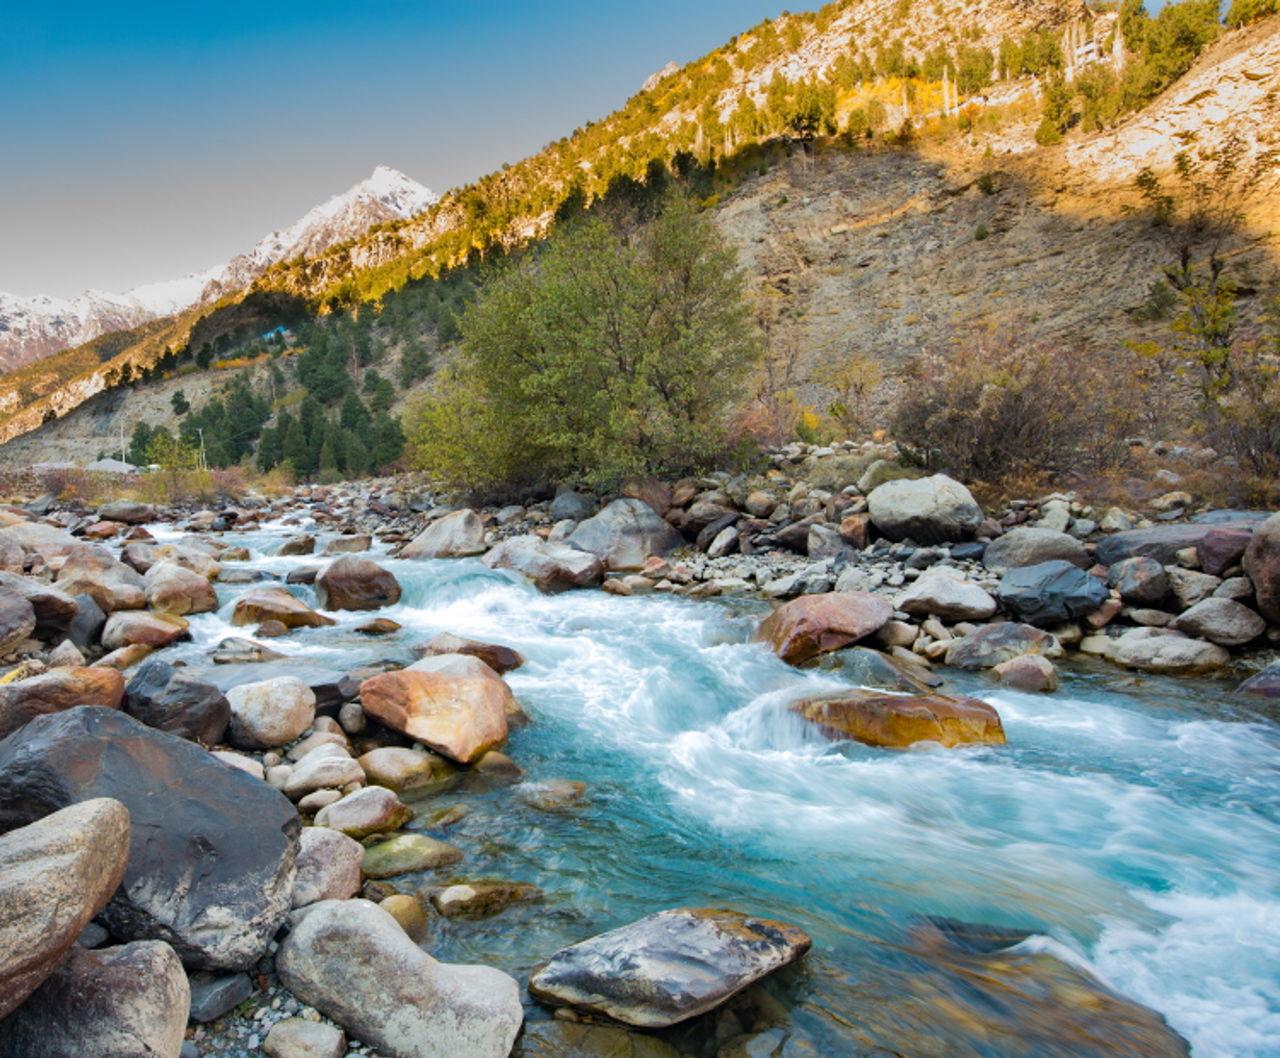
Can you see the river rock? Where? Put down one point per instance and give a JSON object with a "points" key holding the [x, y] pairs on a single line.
{"points": [[172, 700], [482, 898], [1171, 654], [817, 624], [569, 1039], [352, 962], [215, 994], [895, 721], [128, 628], [55, 691], [572, 506], [988, 646], [56, 873], [276, 604], [128, 511], [1161, 542], [1190, 586], [17, 620], [171, 589], [302, 544], [625, 534], [299, 1038], [86, 627], [551, 567], [1262, 564], [404, 853], [112, 584], [948, 596], [325, 768], [1050, 593], [668, 967], [129, 1001], [551, 795], [400, 768], [212, 852], [348, 545], [1221, 621], [330, 687], [931, 510], [1141, 581], [453, 536], [353, 583], [328, 866], [459, 715], [54, 609], [499, 658], [1223, 547], [1029, 546], [270, 713], [1028, 672], [194, 555], [373, 810], [1264, 683], [36, 538]]}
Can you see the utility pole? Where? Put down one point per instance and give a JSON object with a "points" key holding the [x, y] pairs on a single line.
{"points": [[122, 458], [200, 431]]}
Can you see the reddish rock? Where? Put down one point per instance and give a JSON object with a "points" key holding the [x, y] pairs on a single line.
{"points": [[56, 690], [855, 530], [460, 716], [817, 624], [1222, 547], [895, 721], [1262, 564], [499, 658]]}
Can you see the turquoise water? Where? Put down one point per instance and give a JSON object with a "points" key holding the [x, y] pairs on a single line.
{"points": [[1132, 825]]}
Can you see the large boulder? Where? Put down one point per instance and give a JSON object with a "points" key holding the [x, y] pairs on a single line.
{"points": [[1161, 542], [353, 583], [112, 584], [211, 859], [931, 510], [1222, 621], [55, 691], [54, 608], [1168, 653], [303, 544], [276, 604], [17, 620], [1223, 547], [352, 961], [817, 624], [948, 596], [125, 1002], [55, 874], [128, 511], [453, 536], [895, 721], [460, 714], [1050, 593], [991, 645], [667, 967], [1262, 564], [1029, 546], [171, 699], [1140, 580], [625, 534], [173, 589], [191, 554], [127, 628], [271, 712], [36, 538], [551, 567]]}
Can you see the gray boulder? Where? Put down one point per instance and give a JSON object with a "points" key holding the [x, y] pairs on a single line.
{"points": [[573, 506], [624, 534], [1263, 684], [991, 645], [1221, 621], [667, 967], [127, 511], [947, 596], [354, 963], [328, 867], [1050, 593], [931, 510], [1168, 653], [1141, 581], [1029, 546], [551, 567], [1161, 542], [453, 536]]}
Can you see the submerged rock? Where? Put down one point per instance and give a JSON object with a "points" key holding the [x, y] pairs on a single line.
{"points": [[356, 584], [668, 967], [404, 853], [351, 961], [567, 1039], [212, 851], [816, 624], [896, 721]]}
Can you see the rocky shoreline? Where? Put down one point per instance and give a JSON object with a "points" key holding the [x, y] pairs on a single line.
{"points": [[211, 855]]}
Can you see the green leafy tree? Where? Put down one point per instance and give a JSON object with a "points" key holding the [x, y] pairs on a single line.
{"points": [[179, 403]]}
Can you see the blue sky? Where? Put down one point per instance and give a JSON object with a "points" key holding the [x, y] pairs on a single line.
{"points": [[141, 141]]}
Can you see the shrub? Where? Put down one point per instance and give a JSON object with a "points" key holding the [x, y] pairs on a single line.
{"points": [[1242, 12], [616, 350], [994, 407]]}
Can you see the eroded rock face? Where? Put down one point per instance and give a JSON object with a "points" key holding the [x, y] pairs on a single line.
{"points": [[668, 967], [624, 534], [352, 962], [453, 536], [125, 1002], [353, 583], [56, 873], [170, 699], [817, 624], [55, 691], [551, 567], [276, 604], [931, 510], [895, 721], [211, 859]]}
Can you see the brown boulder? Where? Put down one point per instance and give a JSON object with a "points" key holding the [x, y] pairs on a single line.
{"points": [[56, 690], [895, 721], [817, 624], [127, 628], [276, 604], [499, 658], [174, 589], [111, 584], [353, 583], [1262, 564]]}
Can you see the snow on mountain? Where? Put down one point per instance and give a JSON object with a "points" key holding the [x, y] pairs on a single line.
{"points": [[34, 327]]}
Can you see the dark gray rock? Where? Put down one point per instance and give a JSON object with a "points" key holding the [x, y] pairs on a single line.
{"points": [[1161, 542], [574, 506], [1050, 593], [213, 995], [212, 850], [330, 687], [86, 627], [1264, 684], [173, 700], [1140, 580]]}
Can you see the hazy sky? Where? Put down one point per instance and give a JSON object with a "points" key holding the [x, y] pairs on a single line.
{"points": [[142, 141]]}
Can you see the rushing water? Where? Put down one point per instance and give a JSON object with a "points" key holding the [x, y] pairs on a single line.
{"points": [[1132, 825]]}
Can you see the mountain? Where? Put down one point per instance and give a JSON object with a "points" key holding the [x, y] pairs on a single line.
{"points": [[34, 327]]}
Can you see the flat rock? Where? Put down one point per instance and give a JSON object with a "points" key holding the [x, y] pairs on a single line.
{"points": [[817, 624], [1161, 542], [299, 1038], [1173, 655], [896, 721], [668, 967]]}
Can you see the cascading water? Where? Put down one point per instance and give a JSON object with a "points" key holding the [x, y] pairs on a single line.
{"points": [[1132, 825]]}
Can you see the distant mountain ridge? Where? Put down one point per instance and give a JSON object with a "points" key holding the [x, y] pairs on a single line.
{"points": [[34, 327]]}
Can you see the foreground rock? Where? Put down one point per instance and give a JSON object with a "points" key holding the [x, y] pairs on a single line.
{"points": [[111, 584], [932, 510], [276, 604], [817, 624], [125, 1002], [17, 620], [668, 967], [212, 852], [453, 536], [1222, 621], [353, 583], [56, 690], [352, 962], [299, 1038], [458, 714], [172, 700], [625, 534], [551, 567], [895, 721], [328, 867], [133, 628], [55, 875]]}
